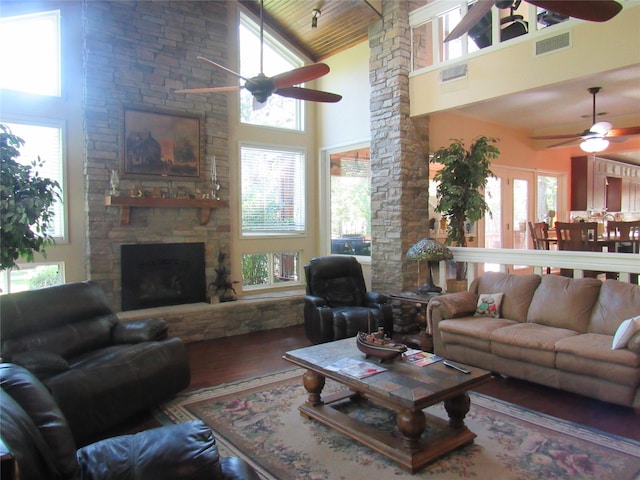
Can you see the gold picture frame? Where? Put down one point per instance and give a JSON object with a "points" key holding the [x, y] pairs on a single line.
{"points": [[161, 144]]}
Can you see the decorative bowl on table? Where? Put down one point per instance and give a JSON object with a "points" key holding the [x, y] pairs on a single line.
{"points": [[379, 345]]}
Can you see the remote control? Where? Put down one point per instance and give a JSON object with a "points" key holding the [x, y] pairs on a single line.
{"points": [[456, 367]]}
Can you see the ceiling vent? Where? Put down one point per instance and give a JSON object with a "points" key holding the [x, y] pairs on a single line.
{"points": [[453, 73], [553, 44]]}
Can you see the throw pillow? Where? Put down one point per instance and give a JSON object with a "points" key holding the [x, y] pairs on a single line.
{"points": [[489, 305], [626, 330]]}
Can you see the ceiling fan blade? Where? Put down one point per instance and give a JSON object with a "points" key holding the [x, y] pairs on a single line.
{"points": [[300, 75], [208, 89], [222, 67], [557, 137], [473, 16], [566, 142], [623, 132], [308, 94], [592, 10]]}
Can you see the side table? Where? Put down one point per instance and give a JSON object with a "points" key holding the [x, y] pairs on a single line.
{"points": [[420, 339]]}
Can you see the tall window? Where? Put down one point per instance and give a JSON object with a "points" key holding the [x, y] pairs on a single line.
{"points": [[277, 111], [44, 142], [31, 42], [273, 193], [350, 174]]}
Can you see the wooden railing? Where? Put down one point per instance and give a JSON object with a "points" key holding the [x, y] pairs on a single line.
{"points": [[508, 260]]}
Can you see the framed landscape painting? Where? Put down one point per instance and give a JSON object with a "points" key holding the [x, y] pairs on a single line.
{"points": [[161, 144]]}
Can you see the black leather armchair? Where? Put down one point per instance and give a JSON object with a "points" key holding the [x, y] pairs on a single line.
{"points": [[337, 304], [37, 444]]}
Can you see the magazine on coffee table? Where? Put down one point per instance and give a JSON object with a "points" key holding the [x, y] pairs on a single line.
{"points": [[420, 358], [355, 368]]}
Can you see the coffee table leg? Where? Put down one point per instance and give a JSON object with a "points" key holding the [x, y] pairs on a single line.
{"points": [[314, 384], [457, 408], [411, 425]]}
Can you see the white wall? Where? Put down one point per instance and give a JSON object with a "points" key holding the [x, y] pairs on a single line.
{"points": [[347, 121]]}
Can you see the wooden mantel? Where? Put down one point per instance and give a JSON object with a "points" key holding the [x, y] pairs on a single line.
{"points": [[125, 203]]}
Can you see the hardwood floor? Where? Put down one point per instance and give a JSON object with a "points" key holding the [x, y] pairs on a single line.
{"points": [[229, 359]]}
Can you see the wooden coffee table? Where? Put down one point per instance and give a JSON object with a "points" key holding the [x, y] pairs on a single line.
{"points": [[403, 388]]}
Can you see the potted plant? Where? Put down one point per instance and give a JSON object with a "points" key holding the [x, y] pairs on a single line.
{"points": [[25, 204], [461, 182]]}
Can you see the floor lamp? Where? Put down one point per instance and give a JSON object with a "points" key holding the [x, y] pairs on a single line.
{"points": [[432, 251]]}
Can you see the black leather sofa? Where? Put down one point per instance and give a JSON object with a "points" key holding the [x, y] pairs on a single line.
{"points": [[37, 444], [99, 370]]}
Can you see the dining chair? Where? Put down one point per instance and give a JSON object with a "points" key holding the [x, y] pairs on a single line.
{"points": [[580, 236], [626, 236], [539, 235]]}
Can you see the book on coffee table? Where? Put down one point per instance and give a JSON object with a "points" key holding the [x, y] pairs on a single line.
{"points": [[355, 368], [420, 358]]}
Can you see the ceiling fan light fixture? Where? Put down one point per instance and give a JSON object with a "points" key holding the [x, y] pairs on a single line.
{"points": [[594, 144]]}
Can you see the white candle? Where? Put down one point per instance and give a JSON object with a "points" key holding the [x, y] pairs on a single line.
{"points": [[214, 171]]}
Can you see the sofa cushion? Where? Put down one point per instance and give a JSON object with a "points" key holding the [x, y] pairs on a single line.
{"points": [[591, 354], [626, 330], [473, 332], [528, 342], [616, 302], [40, 362], [489, 305], [634, 344], [564, 302], [518, 291]]}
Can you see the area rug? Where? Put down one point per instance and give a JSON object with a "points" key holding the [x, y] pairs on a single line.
{"points": [[258, 420]]}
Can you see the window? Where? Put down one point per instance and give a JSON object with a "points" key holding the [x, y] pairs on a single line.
{"points": [[35, 48], [277, 111], [270, 269], [31, 276], [45, 142], [350, 177], [273, 191]]}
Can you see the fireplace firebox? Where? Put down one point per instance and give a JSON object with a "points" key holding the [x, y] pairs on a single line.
{"points": [[161, 274]]}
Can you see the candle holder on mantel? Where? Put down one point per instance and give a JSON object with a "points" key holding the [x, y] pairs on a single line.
{"points": [[215, 186]]}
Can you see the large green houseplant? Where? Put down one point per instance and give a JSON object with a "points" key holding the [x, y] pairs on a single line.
{"points": [[461, 182], [25, 204]]}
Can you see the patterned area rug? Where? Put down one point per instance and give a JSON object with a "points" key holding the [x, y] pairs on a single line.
{"points": [[258, 420]]}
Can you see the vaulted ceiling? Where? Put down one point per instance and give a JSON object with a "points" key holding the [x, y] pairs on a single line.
{"points": [[340, 23]]}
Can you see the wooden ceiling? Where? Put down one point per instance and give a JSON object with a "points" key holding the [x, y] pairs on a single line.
{"points": [[341, 23]]}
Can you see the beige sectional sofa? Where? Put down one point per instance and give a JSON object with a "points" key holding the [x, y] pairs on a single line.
{"points": [[550, 330]]}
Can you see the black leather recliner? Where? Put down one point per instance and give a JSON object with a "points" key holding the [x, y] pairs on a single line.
{"points": [[99, 370], [337, 304], [37, 444]]}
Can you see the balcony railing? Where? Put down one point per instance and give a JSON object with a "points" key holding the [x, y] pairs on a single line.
{"points": [[538, 261]]}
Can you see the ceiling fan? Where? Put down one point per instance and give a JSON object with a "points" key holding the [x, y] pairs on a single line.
{"points": [[596, 138], [262, 87], [592, 10]]}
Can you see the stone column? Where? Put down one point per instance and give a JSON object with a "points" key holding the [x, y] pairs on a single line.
{"points": [[399, 155]]}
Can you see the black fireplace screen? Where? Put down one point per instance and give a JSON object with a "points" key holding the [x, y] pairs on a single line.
{"points": [[160, 274]]}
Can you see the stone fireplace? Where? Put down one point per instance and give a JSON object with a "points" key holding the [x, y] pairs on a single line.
{"points": [[160, 274]]}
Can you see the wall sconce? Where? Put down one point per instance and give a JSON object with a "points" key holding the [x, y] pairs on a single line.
{"points": [[314, 17]]}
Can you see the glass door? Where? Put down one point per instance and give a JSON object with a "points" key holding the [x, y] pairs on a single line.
{"points": [[511, 199]]}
